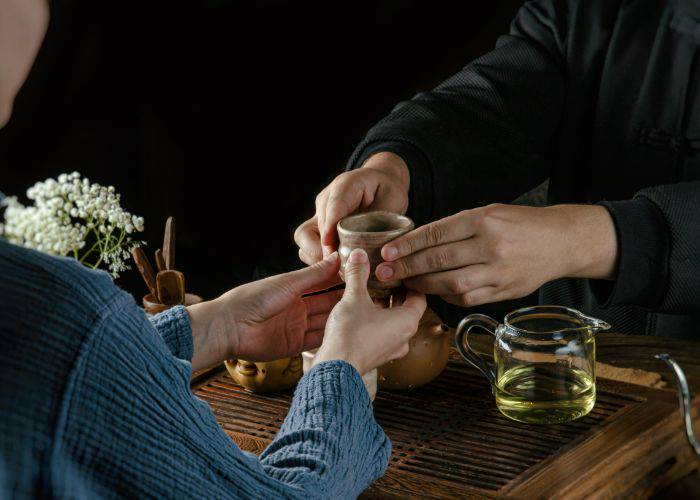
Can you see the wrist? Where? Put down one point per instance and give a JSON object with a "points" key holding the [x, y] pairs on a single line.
{"points": [[590, 244], [338, 355], [212, 337], [392, 165]]}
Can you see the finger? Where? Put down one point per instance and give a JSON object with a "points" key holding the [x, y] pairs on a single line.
{"points": [[434, 259], [331, 282], [322, 303], [312, 340], [344, 199], [480, 296], [455, 282], [315, 277], [328, 249], [356, 274], [406, 317], [308, 239], [333, 279], [453, 228], [321, 201], [414, 305], [316, 322], [307, 259]]}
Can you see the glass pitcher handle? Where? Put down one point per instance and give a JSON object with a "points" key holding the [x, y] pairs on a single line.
{"points": [[462, 341]]}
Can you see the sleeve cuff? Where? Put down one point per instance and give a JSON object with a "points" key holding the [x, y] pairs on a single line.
{"points": [[420, 203], [331, 423], [174, 326], [643, 250]]}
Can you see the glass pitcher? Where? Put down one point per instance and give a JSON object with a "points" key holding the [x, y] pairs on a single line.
{"points": [[544, 359]]}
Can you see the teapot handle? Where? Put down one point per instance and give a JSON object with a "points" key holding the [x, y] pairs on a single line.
{"points": [[462, 341]]}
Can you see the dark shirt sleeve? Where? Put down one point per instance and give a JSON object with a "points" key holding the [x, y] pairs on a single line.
{"points": [[482, 135], [658, 235]]}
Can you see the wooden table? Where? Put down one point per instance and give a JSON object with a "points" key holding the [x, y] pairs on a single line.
{"points": [[449, 440]]}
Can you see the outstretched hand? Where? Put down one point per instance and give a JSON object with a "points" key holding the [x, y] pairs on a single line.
{"points": [[381, 184], [267, 319], [502, 252]]}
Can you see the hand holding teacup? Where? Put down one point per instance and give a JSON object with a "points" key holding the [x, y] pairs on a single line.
{"points": [[502, 252]]}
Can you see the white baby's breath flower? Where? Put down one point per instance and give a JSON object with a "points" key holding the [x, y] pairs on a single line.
{"points": [[71, 216]]}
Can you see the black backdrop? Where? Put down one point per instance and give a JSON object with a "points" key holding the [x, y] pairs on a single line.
{"points": [[230, 116]]}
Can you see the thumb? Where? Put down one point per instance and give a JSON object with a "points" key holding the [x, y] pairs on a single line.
{"points": [[356, 274]]}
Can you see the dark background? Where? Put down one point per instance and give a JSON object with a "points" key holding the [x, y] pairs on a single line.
{"points": [[230, 116]]}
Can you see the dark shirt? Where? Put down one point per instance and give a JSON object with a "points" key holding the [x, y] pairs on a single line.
{"points": [[601, 97], [95, 402]]}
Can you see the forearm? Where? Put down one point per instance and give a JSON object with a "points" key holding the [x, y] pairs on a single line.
{"points": [[589, 245], [474, 139]]}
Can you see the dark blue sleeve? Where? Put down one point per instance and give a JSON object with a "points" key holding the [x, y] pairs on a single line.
{"points": [[131, 425], [174, 326]]}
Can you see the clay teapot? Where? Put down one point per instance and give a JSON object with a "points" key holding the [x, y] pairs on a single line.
{"points": [[428, 353], [268, 376]]}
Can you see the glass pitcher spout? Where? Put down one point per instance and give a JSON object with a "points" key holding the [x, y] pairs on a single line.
{"points": [[596, 324]]}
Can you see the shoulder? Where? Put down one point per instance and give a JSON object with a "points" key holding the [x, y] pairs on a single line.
{"points": [[575, 30], [34, 279]]}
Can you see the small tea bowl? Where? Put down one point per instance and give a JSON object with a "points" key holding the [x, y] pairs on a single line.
{"points": [[371, 231]]}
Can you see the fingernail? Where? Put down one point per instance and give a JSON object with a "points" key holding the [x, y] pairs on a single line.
{"points": [[390, 253], [357, 256], [332, 257], [384, 272]]}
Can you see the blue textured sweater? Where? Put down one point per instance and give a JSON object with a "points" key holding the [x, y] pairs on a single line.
{"points": [[95, 402]]}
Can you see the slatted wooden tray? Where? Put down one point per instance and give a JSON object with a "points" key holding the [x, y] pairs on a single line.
{"points": [[450, 440]]}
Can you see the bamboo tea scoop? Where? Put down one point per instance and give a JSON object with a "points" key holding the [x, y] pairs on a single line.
{"points": [[160, 262], [145, 269], [171, 287], [169, 243]]}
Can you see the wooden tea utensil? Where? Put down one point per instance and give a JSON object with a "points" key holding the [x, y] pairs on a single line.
{"points": [[171, 287], [160, 261], [145, 269], [169, 243]]}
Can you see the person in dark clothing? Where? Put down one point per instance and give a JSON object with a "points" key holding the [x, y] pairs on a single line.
{"points": [[602, 98]]}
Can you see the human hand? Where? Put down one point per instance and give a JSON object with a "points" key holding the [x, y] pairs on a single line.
{"points": [[267, 319], [362, 333], [381, 184], [502, 252]]}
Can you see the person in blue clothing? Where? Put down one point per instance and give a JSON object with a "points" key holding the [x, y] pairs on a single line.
{"points": [[94, 395]]}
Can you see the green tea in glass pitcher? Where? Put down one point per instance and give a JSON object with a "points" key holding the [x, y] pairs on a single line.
{"points": [[544, 360]]}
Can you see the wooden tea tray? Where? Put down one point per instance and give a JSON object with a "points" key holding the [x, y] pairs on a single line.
{"points": [[449, 440]]}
